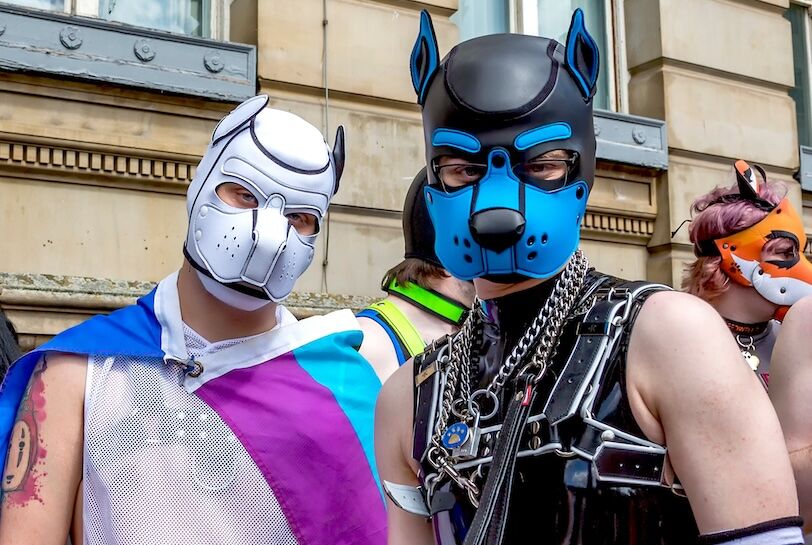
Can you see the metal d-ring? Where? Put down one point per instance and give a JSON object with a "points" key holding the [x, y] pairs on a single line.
{"points": [[489, 394], [196, 369], [472, 408]]}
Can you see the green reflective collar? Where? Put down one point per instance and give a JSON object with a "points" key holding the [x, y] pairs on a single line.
{"points": [[439, 305]]}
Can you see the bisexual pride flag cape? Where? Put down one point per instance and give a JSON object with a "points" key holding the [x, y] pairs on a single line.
{"points": [[300, 399]]}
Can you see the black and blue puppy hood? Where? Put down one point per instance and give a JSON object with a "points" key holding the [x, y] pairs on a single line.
{"points": [[501, 101], [418, 231]]}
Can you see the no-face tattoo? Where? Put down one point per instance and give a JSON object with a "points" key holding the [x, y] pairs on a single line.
{"points": [[21, 478]]}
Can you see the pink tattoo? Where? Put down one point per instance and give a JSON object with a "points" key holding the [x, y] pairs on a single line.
{"points": [[21, 478]]}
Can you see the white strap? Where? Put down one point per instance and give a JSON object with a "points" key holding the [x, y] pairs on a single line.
{"points": [[408, 498]]}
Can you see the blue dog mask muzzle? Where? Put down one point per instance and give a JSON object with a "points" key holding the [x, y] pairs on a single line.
{"points": [[501, 225]]}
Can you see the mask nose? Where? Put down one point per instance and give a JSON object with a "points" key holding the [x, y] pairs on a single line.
{"points": [[497, 228]]}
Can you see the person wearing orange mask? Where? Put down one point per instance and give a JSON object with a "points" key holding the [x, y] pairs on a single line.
{"points": [[748, 240]]}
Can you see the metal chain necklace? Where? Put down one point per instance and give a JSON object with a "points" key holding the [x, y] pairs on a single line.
{"points": [[456, 361]]}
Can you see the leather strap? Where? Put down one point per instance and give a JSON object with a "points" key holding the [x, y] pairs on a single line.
{"points": [[409, 498], [400, 324], [488, 526]]}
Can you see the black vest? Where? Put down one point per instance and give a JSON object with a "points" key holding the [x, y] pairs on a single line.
{"points": [[585, 473]]}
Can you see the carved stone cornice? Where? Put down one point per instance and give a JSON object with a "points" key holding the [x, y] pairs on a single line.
{"points": [[600, 225], [80, 163]]}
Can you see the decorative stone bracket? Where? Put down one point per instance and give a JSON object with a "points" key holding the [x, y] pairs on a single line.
{"points": [[631, 139]]}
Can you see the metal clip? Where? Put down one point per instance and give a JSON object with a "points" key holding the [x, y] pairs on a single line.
{"points": [[191, 367], [627, 310]]}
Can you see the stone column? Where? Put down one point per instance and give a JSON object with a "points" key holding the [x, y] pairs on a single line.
{"points": [[718, 72]]}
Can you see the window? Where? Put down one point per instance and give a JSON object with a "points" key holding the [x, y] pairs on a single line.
{"points": [[190, 17], [52, 5], [481, 17], [551, 18], [204, 18], [799, 17]]}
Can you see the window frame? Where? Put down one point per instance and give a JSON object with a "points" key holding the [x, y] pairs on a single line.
{"points": [[523, 19], [184, 65], [807, 30], [218, 16], [805, 149]]}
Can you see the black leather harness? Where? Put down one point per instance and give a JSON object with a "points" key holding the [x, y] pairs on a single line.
{"points": [[562, 422]]}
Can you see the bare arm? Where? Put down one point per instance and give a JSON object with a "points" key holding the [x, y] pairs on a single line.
{"points": [[43, 468], [689, 387], [377, 349], [393, 443], [791, 394]]}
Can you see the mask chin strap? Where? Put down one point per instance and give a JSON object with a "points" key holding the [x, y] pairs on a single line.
{"points": [[242, 288], [436, 304]]}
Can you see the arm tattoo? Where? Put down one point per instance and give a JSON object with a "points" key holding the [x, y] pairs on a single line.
{"points": [[21, 476]]}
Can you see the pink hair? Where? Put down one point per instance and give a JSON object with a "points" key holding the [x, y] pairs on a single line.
{"points": [[704, 277]]}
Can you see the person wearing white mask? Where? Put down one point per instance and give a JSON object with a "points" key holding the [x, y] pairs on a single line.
{"points": [[206, 413]]}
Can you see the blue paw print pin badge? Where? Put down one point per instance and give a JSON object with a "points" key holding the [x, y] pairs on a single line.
{"points": [[455, 435]]}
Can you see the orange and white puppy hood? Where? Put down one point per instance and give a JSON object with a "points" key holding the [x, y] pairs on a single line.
{"points": [[780, 281]]}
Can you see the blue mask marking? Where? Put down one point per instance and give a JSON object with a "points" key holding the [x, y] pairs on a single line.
{"points": [[585, 76], [425, 57], [455, 139], [539, 135], [551, 234]]}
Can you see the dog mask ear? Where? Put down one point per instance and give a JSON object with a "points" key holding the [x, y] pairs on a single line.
{"points": [[746, 179], [425, 57], [582, 58], [238, 117], [338, 156]]}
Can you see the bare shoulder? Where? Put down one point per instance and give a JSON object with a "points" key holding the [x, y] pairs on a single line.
{"points": [[393, 454], [791, 375], [69, 366], [377, 349], [791, 363], [395, 399], [67, 374], [679, 348], [672, 326], [797, 324], [690, 390], [674, 313], [43, 469], [393, 426]]}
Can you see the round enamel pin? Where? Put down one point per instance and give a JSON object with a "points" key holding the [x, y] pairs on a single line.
{"points": [[455, 435]]}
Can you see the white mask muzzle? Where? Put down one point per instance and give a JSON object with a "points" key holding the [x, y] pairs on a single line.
{"points": [[252, 246]]}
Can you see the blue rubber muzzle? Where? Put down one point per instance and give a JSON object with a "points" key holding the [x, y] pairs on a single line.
{"points": [[501, 225]]}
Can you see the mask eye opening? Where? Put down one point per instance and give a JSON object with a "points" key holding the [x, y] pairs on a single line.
{"points": [[237, 195], [302, 218]]}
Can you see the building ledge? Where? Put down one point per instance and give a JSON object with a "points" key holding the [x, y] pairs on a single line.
{"points": [[631, 139], [99, 295], [103, 51]]}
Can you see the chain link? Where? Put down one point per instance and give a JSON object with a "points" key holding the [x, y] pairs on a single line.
{"points": [[552, 315], [457, 357]]}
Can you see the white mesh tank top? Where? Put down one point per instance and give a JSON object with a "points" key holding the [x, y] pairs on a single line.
{"points": [[161, 467]]}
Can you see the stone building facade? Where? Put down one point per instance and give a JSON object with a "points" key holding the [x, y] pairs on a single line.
{"points": [[102, 121]]}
